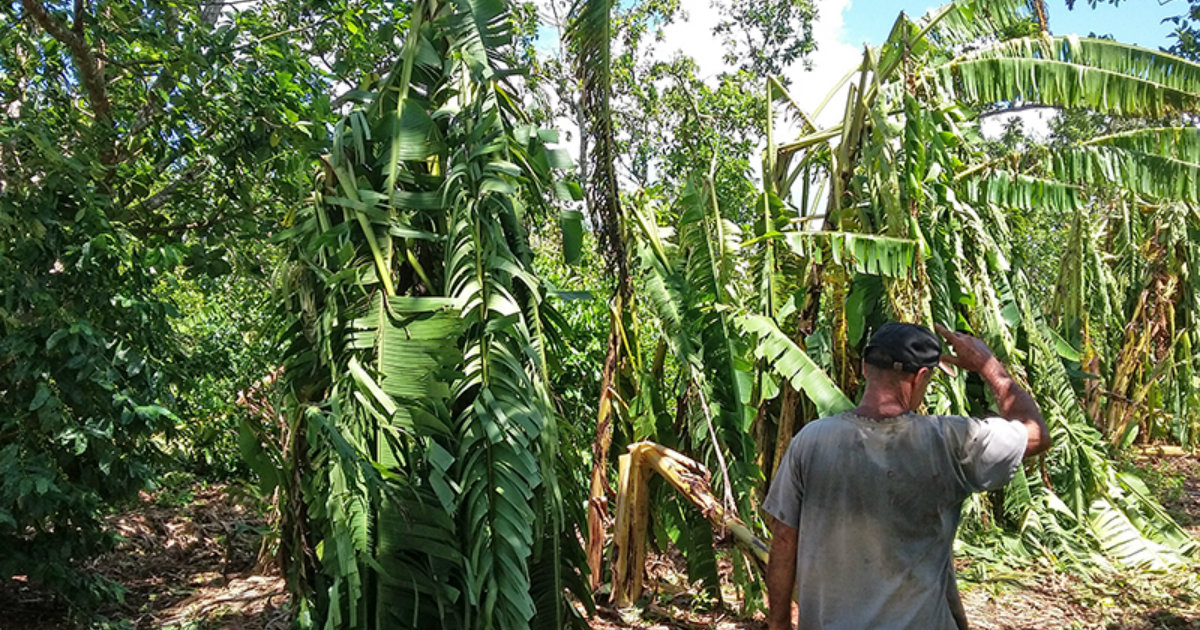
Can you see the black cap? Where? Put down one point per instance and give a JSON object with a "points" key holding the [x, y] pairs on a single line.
{"points": [[907, 347]]}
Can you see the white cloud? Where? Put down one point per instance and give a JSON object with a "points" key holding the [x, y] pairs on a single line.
{"points": [[692, 35], [833, 58], [1036, 122]]}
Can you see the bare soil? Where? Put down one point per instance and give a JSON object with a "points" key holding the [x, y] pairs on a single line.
{"points": [[1176, 480]]}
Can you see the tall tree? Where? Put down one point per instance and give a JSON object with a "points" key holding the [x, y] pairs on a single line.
{"points": [[764, 38], [589, 32], [669, 124]]}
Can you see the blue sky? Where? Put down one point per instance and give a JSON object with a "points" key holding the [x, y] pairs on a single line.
{"points": [[1133, 22]]}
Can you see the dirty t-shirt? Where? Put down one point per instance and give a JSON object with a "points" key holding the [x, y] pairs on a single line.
{"points": [[877, 503]]}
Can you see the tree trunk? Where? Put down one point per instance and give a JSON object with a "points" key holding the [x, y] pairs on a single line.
{"points": [[599, 489]]}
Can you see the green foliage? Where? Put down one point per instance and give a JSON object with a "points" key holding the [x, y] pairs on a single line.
{"points": [[764, 38], [85, 350], [224, 322], [691, 285], [85, 353], [793, 365], [576, 359], [417, 351], [1187, 32], [911, 164], [1075, 72], [142, 158], [430, 344]]}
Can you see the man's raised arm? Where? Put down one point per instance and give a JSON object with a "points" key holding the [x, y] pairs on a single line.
{"points": [[971, 353]]}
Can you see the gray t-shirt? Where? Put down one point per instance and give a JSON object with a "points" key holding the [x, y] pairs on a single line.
{"points": [[877, 503]]}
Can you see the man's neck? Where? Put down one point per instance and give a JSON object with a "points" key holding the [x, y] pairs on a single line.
{"points": [[879, 403]]}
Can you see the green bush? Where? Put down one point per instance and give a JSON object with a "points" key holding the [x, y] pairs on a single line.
{"points": [[83, 347]]}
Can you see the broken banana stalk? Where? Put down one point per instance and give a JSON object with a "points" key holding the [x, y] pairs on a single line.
{"points": [[633, 513]]}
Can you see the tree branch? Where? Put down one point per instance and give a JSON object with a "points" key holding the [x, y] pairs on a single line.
{"points": [[90, 72], [77, 27], [160, 198], [183, 227], [1016, 110], [164, 82]]}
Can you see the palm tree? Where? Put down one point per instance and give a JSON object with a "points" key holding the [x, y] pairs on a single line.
{"points": [[434, 494]]}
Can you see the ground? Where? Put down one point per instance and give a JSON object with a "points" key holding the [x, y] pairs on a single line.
{"points": [[1013, 601], [191, 560]]}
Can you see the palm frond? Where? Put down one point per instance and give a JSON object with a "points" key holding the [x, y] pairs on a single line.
{"points": [[1074, 72], [1005, 189], [860, 253], [972, 22], [434, 445], [689, 284], [793, 364]]}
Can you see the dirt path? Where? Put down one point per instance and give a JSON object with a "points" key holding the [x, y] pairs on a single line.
{"points": [[187, 561]]}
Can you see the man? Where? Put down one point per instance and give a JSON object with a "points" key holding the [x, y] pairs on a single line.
{"points": [[867, 502]]}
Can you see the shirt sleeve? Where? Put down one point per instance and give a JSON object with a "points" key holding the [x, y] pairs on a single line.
{"points": [[787, 488], [990, 451]]}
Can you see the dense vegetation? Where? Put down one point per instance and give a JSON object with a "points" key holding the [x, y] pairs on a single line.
{"points": [[339, 249]]}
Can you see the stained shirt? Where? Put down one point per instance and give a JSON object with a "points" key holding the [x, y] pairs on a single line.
{"points": [[877, 504]]}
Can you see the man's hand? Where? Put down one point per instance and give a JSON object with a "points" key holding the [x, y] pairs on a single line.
{"points": [[971, 353], [781, 576]]}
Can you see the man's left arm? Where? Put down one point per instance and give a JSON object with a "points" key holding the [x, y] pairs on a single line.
{"points": [[781, 576]]}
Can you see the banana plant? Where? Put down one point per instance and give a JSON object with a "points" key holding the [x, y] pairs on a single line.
{"points": [[416, 359], [908, 162], [701, 306]]}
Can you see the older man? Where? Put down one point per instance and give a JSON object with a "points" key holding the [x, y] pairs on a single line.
{"points": [[867, 502]]}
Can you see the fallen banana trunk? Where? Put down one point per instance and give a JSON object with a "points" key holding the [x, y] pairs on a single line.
{"points": [[1148, 450], [632, 518]]}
